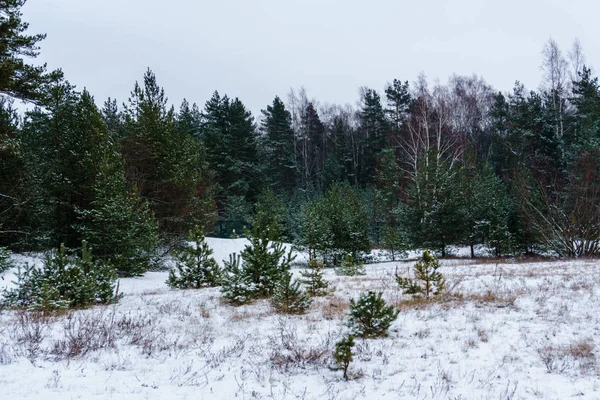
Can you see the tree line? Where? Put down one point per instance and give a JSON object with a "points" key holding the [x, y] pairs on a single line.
{"points": [[418, 165]]}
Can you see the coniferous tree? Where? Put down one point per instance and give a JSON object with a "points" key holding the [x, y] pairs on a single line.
{"points": [[196, 268], [370, 316], [12, 174], [64, 281], [278, 147], [164, 164], [343, 353], [5, 261], [17, 78], [313, 280], [374, 129], [236, 285], [229, 137], [428, 280], [288, 297]]}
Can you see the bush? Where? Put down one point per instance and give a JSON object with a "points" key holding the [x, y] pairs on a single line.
{"points": [[369, 316], [64, 282], [5, 261], [428, 281], [288, 297], [343, 353], [195, 266]]}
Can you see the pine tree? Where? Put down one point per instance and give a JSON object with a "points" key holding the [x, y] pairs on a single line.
{"points": [[196, 268], [343, 353], [313, 279], [12, 175], [399, 99], [288, 297], [339, 223], [236, 286], [165, 164], [369, 316], [64, 282], [17, 78], [265, 260], [428, 281], [350, 267]]}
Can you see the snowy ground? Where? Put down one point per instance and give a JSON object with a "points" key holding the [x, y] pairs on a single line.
{"points": [[510, 331]]}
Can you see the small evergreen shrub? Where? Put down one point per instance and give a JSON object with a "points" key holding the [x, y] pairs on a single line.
{"points": [[264, 263], [265, 260], [288, 297], [428, 281], [350, 267], [313, 280], [369, 316], [196, 268], [236, 286], [5, 261], [343, 354], [63, 282]]}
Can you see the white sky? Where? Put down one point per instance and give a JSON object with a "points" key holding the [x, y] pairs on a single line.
{"points": [[256, 49]]}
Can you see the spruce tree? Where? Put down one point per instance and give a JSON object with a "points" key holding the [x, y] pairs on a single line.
{"points": [[278, 147], [229, 137], [196, 268]]}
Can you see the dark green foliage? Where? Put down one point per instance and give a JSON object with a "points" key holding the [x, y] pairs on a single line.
{"points": [[264, 264], [265, 260], [5, 261], [369, 316], [12, 173], [312, 144], [272, 213], [428, 280], [434, 214], [312, 278], [350, 267], [229, 137], [236, 286], [196, 268], [343, 353], [374, 129], [278, 147], [17, 78], [394, 240], [64, 282], [165, 162], [337, 224], [288, 297]]}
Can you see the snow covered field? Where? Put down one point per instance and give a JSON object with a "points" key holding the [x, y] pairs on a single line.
{"points": [[509, 331]]}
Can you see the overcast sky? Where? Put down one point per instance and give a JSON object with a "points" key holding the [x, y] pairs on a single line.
{"points": [[256, 49]]}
